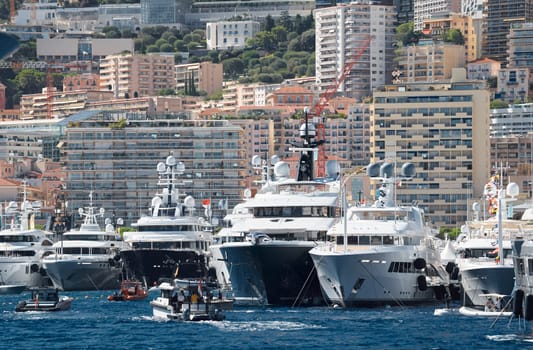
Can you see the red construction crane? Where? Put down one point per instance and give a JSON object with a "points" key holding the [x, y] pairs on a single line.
{"points": [[323, 100], [49, 91]]}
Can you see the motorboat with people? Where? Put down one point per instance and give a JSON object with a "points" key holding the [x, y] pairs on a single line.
{"points": [[190, 300], [265, 250], [129, 291], [383, 253], [483, 249], [171, 241], [22, 246], [86, 258], [44, 299]]}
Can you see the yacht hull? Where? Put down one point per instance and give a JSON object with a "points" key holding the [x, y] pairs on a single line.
{"points": [[273, 272], [485, 279], [78, 275], [369, 278], [151, 266], [28, 273]]}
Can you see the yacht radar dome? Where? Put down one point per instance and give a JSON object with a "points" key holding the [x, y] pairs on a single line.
{"points": [[281, 170], [161, 167], [102, 211], [180, 168], [475, 207], [310, 132], [170, 161], [256, 161], [247, 193], [408, 170], [80, 211], [386, 170], [512, 189], [274, 160], [107, 221], [189, 202], [373, 169]]}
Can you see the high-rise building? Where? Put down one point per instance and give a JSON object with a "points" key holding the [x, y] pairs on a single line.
{"points": [[341, 33], [427, 9], [442, 129], [499, 15]]}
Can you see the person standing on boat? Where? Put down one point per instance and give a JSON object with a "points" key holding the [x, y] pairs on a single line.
{"points": [[181, 299], [194, 298]]}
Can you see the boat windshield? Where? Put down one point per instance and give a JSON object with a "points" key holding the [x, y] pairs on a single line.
{"points": [[166, 228], [17, 238], [89, 237]]}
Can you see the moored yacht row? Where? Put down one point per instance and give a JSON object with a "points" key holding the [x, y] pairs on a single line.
{"points": [[295, 242]]}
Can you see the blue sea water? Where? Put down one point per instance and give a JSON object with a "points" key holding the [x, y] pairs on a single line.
{"points": [[96, 323]]}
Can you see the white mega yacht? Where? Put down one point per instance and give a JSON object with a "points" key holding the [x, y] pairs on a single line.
{"points": [[265, 250], [171, 241], [22, 246], [482, 269], [522, 246], [88, 258], [383, 254]]}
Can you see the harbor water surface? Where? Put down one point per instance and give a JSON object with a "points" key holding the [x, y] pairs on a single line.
{"points": [[96, 323]]}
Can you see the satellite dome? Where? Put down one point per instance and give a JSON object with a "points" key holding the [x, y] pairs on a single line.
{"points": [[281, 170]]}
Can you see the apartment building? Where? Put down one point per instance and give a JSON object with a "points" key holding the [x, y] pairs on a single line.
{"points": [[442, 128], [513, 84], [206, 76], [342, 34], [131, 75], [483, 69], [427, 9], [470, 28], [429, 61], [85, 81], [226, 35], [499, 16]]}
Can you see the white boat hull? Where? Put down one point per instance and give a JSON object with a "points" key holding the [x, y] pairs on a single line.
{"points": [[478, 279], [364, 277], [469, 311], [25, 272]]}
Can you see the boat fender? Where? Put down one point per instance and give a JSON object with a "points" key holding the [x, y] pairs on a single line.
{"points": [[34, 268], [518, 303], [528, 312], [422, 284], [455, 291], [455, 273], [419, 263], [440, 292], [450, 267]]}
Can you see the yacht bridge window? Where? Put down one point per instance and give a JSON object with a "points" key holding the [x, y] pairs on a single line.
{"points": [[166, 228], [15, 253], [367, 240], [17, 238], [299, 211]]}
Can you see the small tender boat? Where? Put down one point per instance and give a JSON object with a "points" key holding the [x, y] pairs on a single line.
{"points": [[496, 305], [44, 299], [190, 302], [129, 290]]}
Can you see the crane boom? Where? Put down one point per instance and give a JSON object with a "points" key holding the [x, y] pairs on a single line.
{"points": [[323, 100]]}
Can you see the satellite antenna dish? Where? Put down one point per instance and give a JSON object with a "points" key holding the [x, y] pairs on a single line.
{"points": [[189, 202], [171, 161], [512, 189], [109, 228], [256, 161], [161, 167], [408, 170], [107, 221], [102, 211], [120, 221], [373, 169], [80, 211]]}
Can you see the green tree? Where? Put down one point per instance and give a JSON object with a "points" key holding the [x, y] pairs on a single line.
{"points": [[453, 36], [269, 23], [167, 92], [30, 81], [166, 48], [233, 67]]}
